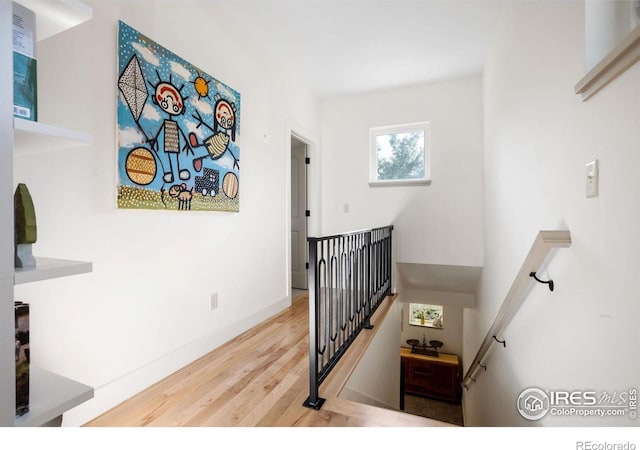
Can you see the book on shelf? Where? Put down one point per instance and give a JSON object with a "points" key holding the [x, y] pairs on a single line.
{"points": [[23, 358], [25, 77]]}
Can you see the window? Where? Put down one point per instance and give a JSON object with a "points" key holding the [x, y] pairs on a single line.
{"points": [[431, 316], [399, 155]]}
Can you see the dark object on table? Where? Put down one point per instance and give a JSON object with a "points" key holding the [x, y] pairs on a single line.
{"points": [[22, 357], [26, 230], [424, 349]]}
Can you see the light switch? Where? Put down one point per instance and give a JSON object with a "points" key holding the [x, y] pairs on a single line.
{"points": [[345, 208], [592, 179]]}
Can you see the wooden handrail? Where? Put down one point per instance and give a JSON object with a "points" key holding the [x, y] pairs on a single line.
{"points": [[543, 244]]}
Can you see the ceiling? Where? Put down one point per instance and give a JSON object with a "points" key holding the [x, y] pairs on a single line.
{"points": [[350, 46]]}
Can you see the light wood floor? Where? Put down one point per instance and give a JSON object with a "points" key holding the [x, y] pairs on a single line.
{"points": [[259, 379]]}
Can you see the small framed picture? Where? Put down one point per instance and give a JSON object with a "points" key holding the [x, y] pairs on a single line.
{"points": [[422, 315]]}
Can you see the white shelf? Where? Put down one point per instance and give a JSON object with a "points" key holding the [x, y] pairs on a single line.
{"points": [[37, 137], [52, 17], [47, 268], [56, 16], [50, 396]]}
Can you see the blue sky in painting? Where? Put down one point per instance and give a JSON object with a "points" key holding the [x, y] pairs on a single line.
{"points": [[155, 61]]}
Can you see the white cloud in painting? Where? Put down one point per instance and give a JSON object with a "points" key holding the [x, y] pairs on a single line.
{"points": [[150, 113], [180, 70], [226, 161], [226, 93], [202, 106], [192, 128], [130, 137], [147, 54]]}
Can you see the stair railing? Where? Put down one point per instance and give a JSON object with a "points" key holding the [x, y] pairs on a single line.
{"points": [[545, 242], [349, 276]]}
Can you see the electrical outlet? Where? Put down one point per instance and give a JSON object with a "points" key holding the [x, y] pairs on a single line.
{"points": [[213, 301], [592, 179]]}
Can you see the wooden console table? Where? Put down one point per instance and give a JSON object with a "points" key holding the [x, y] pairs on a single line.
{"points": [[431, 376]]}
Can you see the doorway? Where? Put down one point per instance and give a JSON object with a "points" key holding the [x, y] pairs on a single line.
{"points": [[298, 213]]}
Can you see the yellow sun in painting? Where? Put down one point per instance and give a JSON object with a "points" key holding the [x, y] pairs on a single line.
{"points": [[202, 86]]}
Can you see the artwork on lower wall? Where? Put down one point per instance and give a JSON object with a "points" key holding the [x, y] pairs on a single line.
{"points": [[431, 316], [177, 128]]}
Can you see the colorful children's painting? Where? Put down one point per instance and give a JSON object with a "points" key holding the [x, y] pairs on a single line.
{"points": [[177, 130]]}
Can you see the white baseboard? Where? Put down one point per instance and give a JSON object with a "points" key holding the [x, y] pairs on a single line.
{"points": [[130, 384]]}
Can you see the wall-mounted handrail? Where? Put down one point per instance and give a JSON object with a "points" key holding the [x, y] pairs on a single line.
{"points": [[543, 244]]}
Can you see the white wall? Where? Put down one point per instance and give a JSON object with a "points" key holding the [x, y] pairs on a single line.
{"points": [[376, 379], [144, 311], [437, 224], [539, 136]]}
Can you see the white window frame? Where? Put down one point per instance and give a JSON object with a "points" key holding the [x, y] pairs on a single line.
{"points": [[425, 127]]}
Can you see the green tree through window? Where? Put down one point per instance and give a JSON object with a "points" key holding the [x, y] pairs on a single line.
{"points": [[400, 156]]}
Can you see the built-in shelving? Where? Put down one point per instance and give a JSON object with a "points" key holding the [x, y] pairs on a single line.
{"points": [[53, 17], [48, 268], [51, 395], [35, 137]]}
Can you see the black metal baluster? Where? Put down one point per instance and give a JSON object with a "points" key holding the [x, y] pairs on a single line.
{"points": [[326, 299], [367, 306], [340, 299], [332, 296], [314, 401], [390, 261], [352, 284], [349, 276]]}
